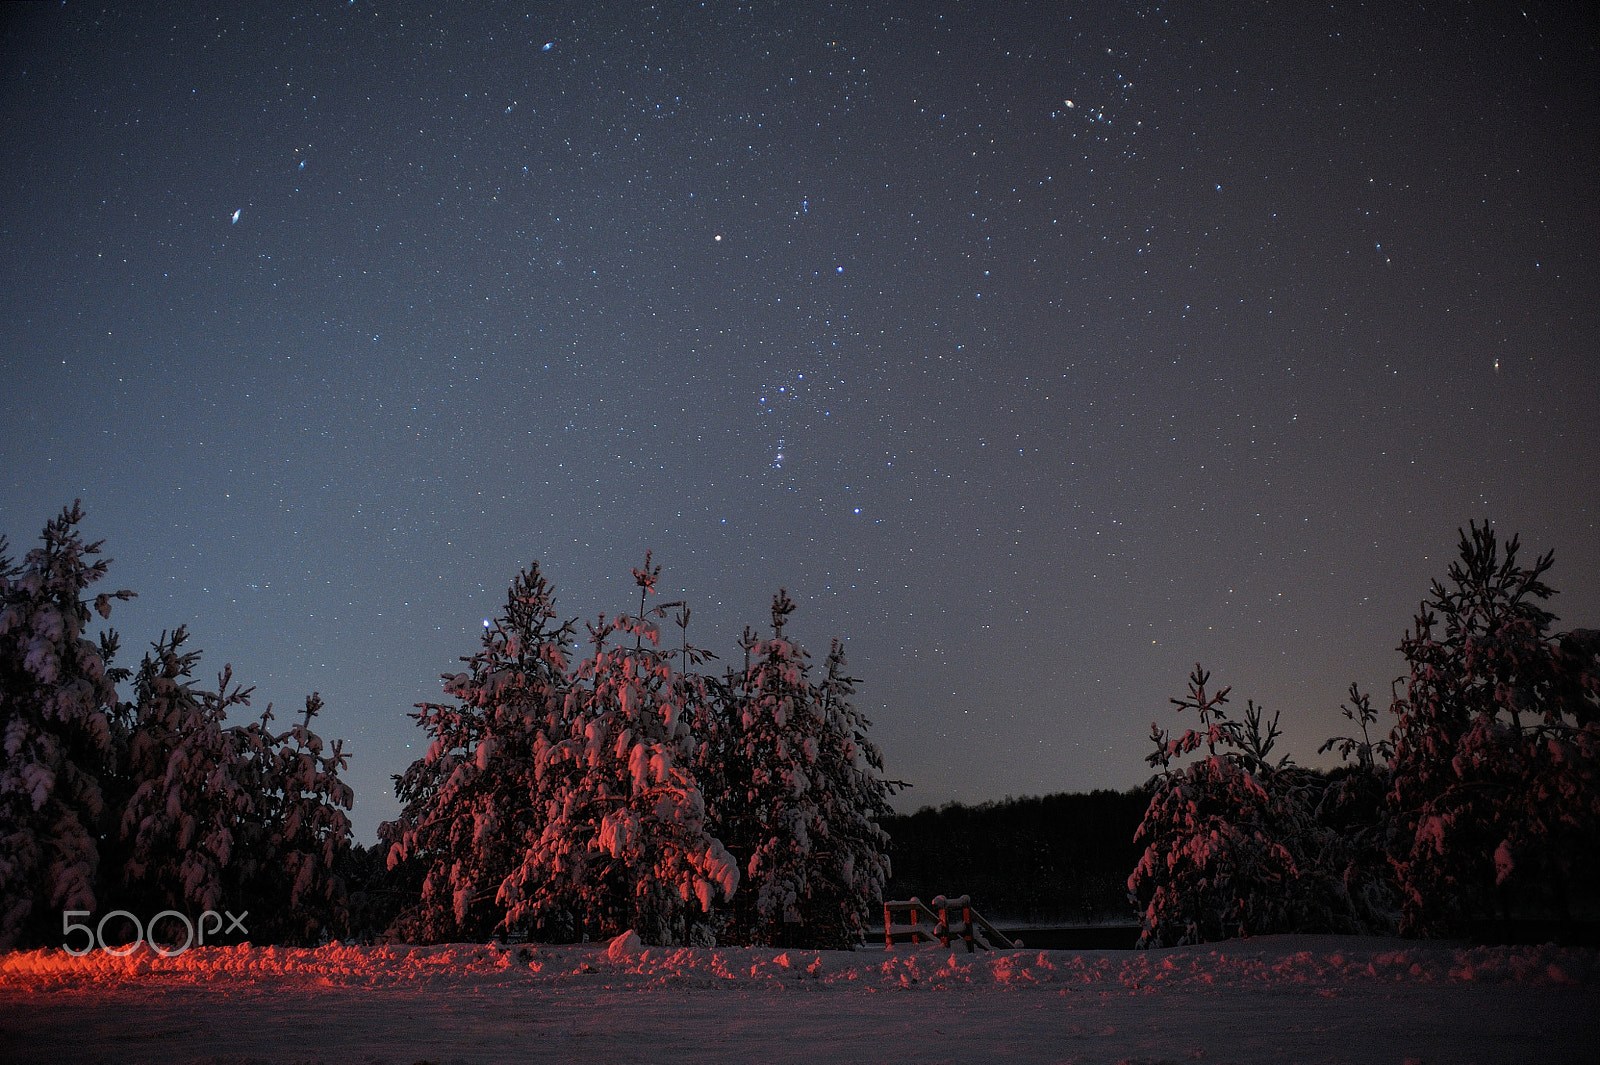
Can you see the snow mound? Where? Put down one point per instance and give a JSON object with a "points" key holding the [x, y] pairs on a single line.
{"points": [[624, 947]]}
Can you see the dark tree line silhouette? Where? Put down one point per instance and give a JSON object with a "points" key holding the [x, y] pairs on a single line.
{"points": [[1055, 859]]}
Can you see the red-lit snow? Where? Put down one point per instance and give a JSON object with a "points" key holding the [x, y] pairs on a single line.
{"points": [[1282, 998]]}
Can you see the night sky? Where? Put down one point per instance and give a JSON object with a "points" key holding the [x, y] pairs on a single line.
{"points": [[1038, 350]]}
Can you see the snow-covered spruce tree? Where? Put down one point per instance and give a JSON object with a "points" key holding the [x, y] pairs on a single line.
{"points": [[764, 812], [152, 804], [1352, 825], [723, 774], [624, 844], [176, 835], [1496, 787], [799, 792], [213, 816], [852, 849], [297, 831], [1233, 845], [57, 701], [476, 799]]}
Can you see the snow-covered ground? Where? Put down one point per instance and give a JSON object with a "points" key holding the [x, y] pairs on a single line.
{"points": [[1275, 999]]}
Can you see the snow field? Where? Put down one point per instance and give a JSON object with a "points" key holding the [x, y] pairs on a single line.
{"points": [[1283, 998], [1321, 961]]}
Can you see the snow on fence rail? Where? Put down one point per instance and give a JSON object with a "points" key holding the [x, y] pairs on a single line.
{"points": [[972, 927]]}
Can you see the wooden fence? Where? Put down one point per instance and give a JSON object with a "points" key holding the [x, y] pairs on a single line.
{"points": [[969, 925]]}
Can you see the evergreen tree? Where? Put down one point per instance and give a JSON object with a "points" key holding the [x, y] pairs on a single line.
{"points": [[568, 799], [57, 709], [1215, 865], [1352, 815], [1485, 797], [153, 804], [219, 816], [1238, 843], [1496, 787], [799, 795], [478, 797], [767, 812], [625, 842], [853, 847], [182, 765], [723, 772], [297, 833]]}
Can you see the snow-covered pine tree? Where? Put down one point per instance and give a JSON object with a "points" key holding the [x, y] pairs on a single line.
{"points": [[625, 843], [297, 831], [723, 773], [181, 767], [1496, 785], [852, 849], [799, 791], [57, 700], [217, 816], [702, 701], [1353, 820], [767, 812], [478, 798], [150, 804], [1237, 843], [1215, 864]]}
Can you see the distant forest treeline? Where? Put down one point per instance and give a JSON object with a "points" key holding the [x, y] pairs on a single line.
{"points": [[1053, 859]]}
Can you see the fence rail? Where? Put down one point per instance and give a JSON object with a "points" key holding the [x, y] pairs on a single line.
{"points": [[970, 925]]}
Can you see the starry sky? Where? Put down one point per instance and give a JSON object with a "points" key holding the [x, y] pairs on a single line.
{"points": [[1038, 349]]}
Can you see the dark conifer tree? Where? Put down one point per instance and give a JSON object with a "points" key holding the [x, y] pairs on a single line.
{"points": [[154, 804], [57, 704], [179, 827], [852, 849], [1215, 864], [298, 831], [1496, 793], [558, 796], [227, 817]]}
